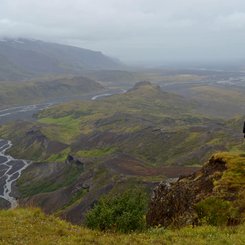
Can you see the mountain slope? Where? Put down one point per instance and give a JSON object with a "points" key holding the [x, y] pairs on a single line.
{"points": [[14, 93], [138, 138], [140, 123], [23, 58]]}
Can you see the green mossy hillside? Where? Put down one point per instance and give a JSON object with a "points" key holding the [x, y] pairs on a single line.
{"points": [[213, 195], [156, 127], [49, 89], [31, 226]]}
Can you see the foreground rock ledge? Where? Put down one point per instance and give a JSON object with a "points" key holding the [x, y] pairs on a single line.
{"points": [[173, 204]]}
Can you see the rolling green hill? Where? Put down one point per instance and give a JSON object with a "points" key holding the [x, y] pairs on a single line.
{"points": [[154, 126], [30, 226], [134, 139], [29, 92]]}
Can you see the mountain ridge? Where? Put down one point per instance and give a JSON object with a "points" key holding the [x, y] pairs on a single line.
{"points": [[29, 92], [25, 58]]}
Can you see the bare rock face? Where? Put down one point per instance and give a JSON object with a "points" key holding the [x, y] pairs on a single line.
{"points": [[173, 204]]}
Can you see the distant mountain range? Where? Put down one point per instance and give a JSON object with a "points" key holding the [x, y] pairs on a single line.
{"points": [[24, 58]]}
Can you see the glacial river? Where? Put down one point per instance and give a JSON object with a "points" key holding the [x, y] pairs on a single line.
{"points": [[10, 168], [10, 171]]}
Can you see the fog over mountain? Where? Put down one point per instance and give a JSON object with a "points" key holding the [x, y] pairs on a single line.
{"points": [[134, 31], [25, 58]]}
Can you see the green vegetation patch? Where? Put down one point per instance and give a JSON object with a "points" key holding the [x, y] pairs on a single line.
{"points": [[226, 205], [63, 129], [76, 198], [31, 226], [123, 212], [98, 152], [157, 127], [215, 211], [60, 157], [29, 188], [233, 178]]}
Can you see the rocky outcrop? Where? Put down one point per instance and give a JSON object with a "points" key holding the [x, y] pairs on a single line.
{"points": [[73, 160], [173, 204]]}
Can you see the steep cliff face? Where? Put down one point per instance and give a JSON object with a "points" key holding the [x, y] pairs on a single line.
{"points": [[222, 178]]}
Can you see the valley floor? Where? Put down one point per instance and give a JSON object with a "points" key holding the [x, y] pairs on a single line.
{"points": [[31, 226]]}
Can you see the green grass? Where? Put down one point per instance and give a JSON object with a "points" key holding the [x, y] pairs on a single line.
{"points": [[234, 176], [98, 152], [76, 198], [232, 183], [60, 157], [228, 192], [63, 129], [29, 187], [31, 226], [30, 92]]}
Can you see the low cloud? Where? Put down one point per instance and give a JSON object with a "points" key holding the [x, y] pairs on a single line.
{"points": [[234, 21], [139, 30]]}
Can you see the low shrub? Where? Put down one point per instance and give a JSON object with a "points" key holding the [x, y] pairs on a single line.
{"points": [[122, 212]]}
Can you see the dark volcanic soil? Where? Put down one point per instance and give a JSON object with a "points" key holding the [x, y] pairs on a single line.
{"points": [[127, 165]]}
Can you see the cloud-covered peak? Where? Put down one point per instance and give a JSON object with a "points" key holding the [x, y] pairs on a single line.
{"points": [[138, 30]]}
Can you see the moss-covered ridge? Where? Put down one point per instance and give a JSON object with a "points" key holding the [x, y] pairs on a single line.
{"points": [[214, 195], [31, 226], [29, 92], [139, 136], [141, 123]]}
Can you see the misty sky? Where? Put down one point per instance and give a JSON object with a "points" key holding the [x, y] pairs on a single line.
{"points": [[134, 30]]}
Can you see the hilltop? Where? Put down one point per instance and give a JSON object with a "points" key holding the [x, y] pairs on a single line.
{"points": [[30, 226]]}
